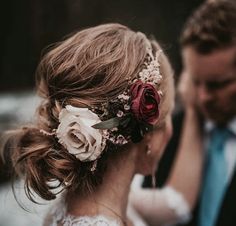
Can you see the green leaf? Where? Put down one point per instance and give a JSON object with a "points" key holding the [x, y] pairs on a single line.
{"points": [[125, 121], [108, 124]]}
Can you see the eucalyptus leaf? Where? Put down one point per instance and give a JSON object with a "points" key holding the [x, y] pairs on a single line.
{"points": [[125, 121], [108, 124]]}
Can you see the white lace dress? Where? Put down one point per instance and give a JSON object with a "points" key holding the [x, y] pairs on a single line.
{"points": [[98, 220], [58, 216]]}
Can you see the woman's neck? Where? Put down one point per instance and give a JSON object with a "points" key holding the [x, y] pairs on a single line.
{"points": [[111, 197]]}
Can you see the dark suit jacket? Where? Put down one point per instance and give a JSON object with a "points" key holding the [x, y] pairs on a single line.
{"points": [[227, 214]]}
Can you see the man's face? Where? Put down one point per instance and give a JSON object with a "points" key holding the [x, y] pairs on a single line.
{"points": [[214, 76]]}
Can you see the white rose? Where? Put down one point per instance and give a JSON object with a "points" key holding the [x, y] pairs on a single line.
{"points": [[76, 134]]}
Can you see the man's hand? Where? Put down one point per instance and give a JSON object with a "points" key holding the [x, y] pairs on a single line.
{"points": [[187, 91]]}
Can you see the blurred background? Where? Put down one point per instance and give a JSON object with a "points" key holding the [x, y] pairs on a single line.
{"points": [[27, 27]]}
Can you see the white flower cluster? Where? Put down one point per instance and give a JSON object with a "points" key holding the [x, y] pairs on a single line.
{"points": [[151, 73]]}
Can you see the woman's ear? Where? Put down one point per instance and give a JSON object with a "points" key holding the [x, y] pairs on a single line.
{"points": [[148, 137], [144, 145]]}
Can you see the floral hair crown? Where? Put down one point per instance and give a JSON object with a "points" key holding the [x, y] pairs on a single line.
{"points": [[87, 132]]}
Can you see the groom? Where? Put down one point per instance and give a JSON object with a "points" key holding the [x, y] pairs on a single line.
{"points": [[209, 61]]}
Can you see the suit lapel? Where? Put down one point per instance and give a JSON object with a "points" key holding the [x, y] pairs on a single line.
{"points": [[227, 216]]}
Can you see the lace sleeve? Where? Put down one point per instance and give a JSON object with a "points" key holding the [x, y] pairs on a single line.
{"points": [[161, 206], [177, 203]]}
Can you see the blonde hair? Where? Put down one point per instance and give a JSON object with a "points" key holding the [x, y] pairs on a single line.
{"points": [[85, 69]]}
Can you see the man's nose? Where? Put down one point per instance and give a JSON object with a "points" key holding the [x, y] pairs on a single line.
{"points": [[204, 94]]}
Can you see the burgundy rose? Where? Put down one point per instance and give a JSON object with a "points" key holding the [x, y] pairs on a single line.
{"points": [[145, 102]]}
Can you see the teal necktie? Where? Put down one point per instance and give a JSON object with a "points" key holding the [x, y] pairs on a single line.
{"points": [[215, 181]]}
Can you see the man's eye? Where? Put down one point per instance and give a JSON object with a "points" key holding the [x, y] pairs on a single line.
{"points": [[196, 83], [218, 85], [215, 85]]}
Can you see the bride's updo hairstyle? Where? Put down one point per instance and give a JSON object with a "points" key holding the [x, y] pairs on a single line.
{"points": [[101, 88]]}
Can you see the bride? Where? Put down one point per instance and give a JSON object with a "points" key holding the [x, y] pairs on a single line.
{"points": [[105, 116]]}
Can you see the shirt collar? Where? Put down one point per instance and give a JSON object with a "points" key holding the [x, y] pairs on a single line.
{"points": [[210, 125], [232, 126]]}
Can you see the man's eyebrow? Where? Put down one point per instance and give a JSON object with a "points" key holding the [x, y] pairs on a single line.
{"points": [[215, 79], [219, 84], [234, 60], [227, 79], [219, 81]]}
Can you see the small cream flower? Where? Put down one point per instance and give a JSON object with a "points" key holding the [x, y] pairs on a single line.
{"points": [[76, 134]]}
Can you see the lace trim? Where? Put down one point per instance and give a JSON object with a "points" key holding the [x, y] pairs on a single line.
{"points": [[98, 220], [59, 215], [177, 203]]}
